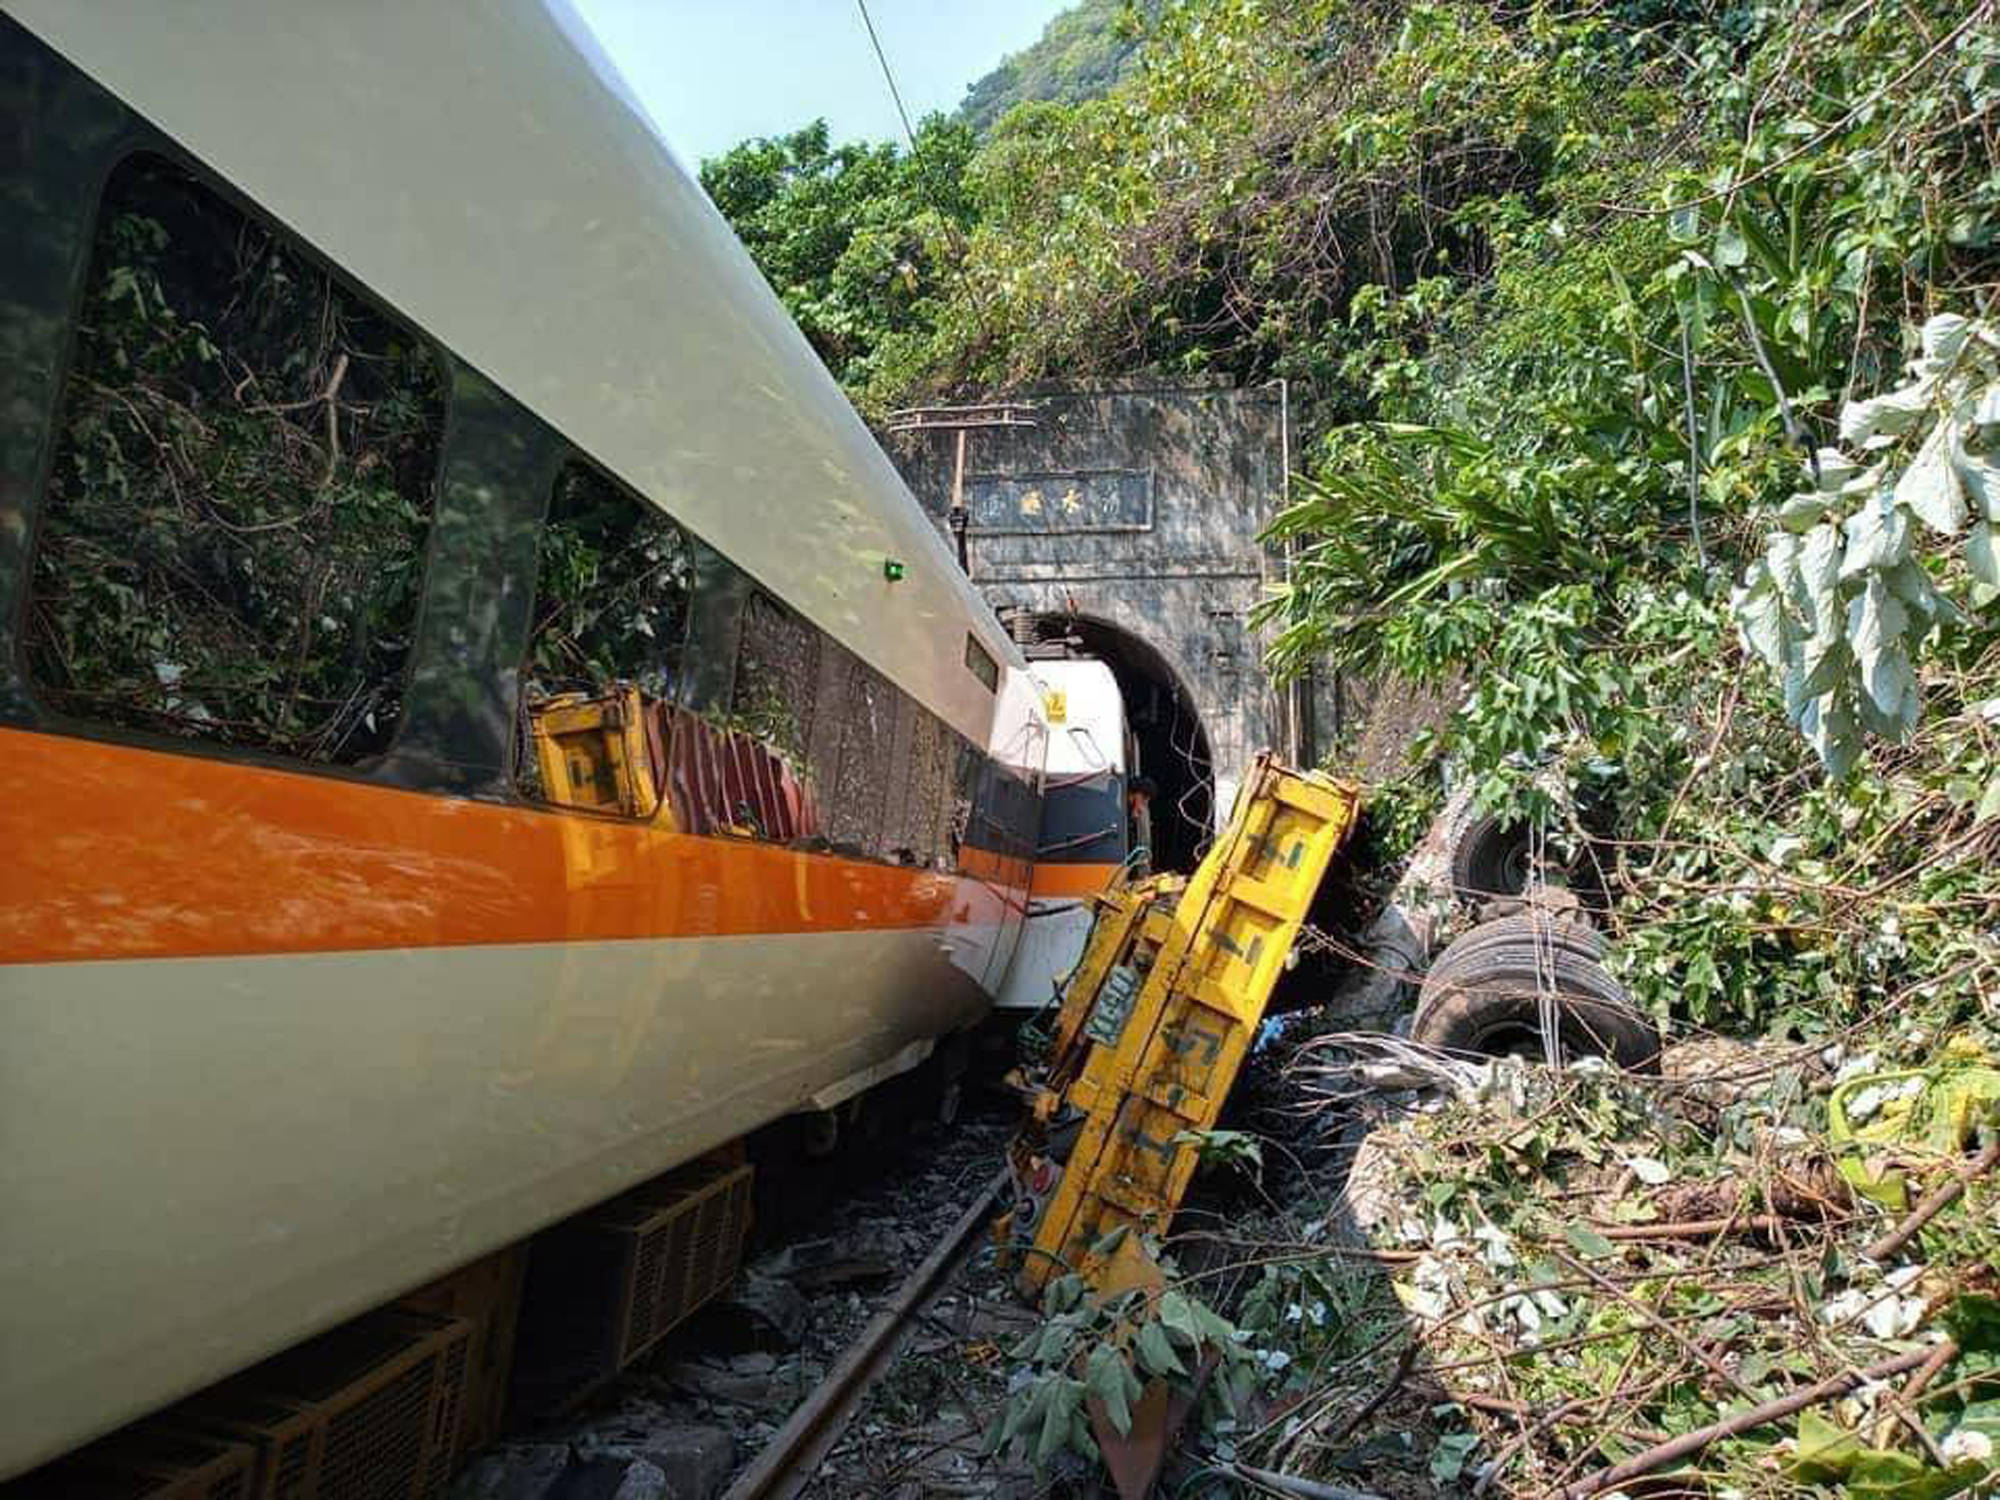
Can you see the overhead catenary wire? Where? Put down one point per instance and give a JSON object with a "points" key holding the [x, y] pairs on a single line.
{"points": [[888, 73]]}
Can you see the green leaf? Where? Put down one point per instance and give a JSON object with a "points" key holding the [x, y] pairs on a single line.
{"points": [[1052, 1344], [1876, 625], [1877, 536], [1110, 1379], [1022, 1409], [1588, 1241], [1177, 1315], [1448, 1458], [1761, 616], [1825, 1452], [1911, 584], [1062, 1294], [1982, 557], [1989, 802], [1802, 510], [1868, 423], [1974, 1317], [1080, 1438], [996, 1434], [1982, 1417], [1156, 1352], [1979, 477], [1835, 470], [1830, 728], [1819, 577], [1880, 1475], [1063, 1398], [1943, 337]]}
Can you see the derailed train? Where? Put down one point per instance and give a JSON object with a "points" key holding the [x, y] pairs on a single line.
{"points": [[375, 389]]}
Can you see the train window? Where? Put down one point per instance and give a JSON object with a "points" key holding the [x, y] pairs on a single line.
{"points": [[721, 594], [612, 591], [979, 661], [832, 696], [861, 786], [902, 827], [777, 674], [230, 547], [605, 655], [929, 785], [966, 768], [870, 771]]}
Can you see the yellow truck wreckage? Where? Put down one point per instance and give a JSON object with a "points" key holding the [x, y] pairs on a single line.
{"points": [[1154, 1023], [1155, 1019]]}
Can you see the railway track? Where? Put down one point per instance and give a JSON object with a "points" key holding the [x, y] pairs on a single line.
{"points": [[793, 1456]]}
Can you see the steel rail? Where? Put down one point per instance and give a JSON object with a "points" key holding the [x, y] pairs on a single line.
{"points": [[794, 1454]]}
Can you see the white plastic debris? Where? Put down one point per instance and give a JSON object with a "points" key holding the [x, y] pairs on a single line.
{"points": [[1967, 1445]]}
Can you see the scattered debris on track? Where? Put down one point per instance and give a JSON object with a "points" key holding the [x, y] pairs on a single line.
{"points": [[689, 1421]]}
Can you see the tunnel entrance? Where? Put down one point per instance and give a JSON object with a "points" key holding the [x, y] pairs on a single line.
{"points": [[1171, 744]]}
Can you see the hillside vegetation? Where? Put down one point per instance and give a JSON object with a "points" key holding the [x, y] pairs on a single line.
{"points": [[1080, 55], [1570, 300], [1646, 357]]}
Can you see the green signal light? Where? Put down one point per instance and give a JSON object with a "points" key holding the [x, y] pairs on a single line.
{"points": [[892, 570]]}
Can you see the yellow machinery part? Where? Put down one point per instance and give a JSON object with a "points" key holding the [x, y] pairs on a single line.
{"points": [[1160, 1013], [592, 752]]}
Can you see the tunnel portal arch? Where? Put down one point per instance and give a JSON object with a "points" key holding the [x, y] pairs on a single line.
{"points": [[1132, 515]]}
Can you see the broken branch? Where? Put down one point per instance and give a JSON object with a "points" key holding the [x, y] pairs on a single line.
{"points": [[1690, 1443], [1935, 1202]]}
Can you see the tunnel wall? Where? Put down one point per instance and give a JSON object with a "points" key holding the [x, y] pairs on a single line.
{"points": [[1140, 507]]}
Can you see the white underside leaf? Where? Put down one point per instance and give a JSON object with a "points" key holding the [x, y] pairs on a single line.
{"points": [[1761, 617], [1930, 487], [1876, 626], [1981, 556], [1861, 422], [1819, 577], [1877, 535]]}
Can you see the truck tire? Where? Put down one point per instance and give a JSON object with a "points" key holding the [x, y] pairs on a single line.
{"points": [[1482, 996], [1494, 857]]}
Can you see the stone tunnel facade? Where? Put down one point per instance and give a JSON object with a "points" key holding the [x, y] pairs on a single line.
{"points": [[1137, 508]]}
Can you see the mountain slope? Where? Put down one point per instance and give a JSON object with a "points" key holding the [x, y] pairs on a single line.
{"points": [[1080, 55]]}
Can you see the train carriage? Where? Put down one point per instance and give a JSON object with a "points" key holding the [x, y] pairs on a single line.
{"points": [[483, 722]]}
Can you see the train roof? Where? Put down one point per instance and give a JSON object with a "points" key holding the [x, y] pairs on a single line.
{"points": [[484, 170]]}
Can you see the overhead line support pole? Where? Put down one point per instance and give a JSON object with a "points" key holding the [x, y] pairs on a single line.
{"points": [[959, 420]]}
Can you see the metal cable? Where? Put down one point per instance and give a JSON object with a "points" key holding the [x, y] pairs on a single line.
{"points": [[894, 92]]}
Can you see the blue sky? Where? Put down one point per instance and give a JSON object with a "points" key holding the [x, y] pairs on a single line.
{"points": [[712, 72]]}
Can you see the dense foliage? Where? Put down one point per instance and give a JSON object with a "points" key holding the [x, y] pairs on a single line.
{"points": [[856, 239], [1644, 358]]}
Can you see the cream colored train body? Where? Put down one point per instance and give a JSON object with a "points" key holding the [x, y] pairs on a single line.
{"points": [[283, 1037]]}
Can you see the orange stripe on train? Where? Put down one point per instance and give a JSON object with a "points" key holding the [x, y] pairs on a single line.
{"points": [[117, 852]]}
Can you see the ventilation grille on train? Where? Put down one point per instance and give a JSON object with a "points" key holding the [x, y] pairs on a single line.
{"points": [[146, 1463], [487, 1295], [685, 1244], [605, 1287], [370, 1411]]}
